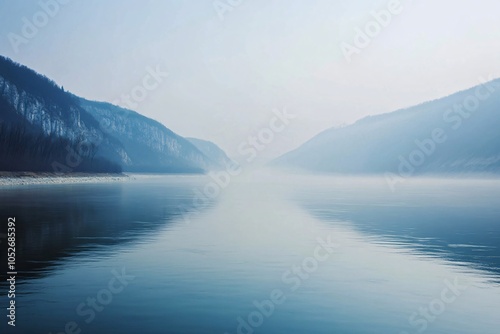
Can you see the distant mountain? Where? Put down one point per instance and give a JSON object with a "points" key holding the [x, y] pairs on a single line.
{"points": [[218, 157], [44, 128], [456, 134]]}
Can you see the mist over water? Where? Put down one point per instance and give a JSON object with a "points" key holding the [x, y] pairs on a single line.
{"points": [[270, 254]]}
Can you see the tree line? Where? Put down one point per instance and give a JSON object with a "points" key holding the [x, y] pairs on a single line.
{"points": [[23, 150], [33, 83]]}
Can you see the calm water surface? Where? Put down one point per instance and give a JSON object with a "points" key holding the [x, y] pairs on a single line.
{"points": [[267, 255]]}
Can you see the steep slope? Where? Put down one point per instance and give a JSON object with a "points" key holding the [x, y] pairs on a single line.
{"points": [[46, 124], [44, 129], [150, 146], [212, 151], [455, 134]]}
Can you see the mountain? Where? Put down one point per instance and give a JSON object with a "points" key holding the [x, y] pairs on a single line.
{"points": [[213, 152], [150, 146], [45, 128], [456, 134]]}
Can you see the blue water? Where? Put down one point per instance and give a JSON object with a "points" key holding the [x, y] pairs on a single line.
{"points": [[268, 254]]}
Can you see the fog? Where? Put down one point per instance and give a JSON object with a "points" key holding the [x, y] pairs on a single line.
{"points": [[229, 66]]}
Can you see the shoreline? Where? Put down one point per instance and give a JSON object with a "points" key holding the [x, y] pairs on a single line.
{"points": [[34, 178]]}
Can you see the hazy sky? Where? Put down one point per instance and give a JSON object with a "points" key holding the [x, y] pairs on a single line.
{"points": [[228, 69]]}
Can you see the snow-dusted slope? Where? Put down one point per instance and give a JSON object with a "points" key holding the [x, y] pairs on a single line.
{"points": [[150, 145], [32, 102]]}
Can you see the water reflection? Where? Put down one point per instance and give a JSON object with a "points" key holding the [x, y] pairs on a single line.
{"points": [[203, 276], [456, 220], [55, 223]]}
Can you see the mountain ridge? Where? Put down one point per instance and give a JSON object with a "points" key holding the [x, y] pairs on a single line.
{"points": [[31, 103], [382, 143]]}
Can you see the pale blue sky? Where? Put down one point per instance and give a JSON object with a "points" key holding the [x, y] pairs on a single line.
{"points": [[225, 76]]}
